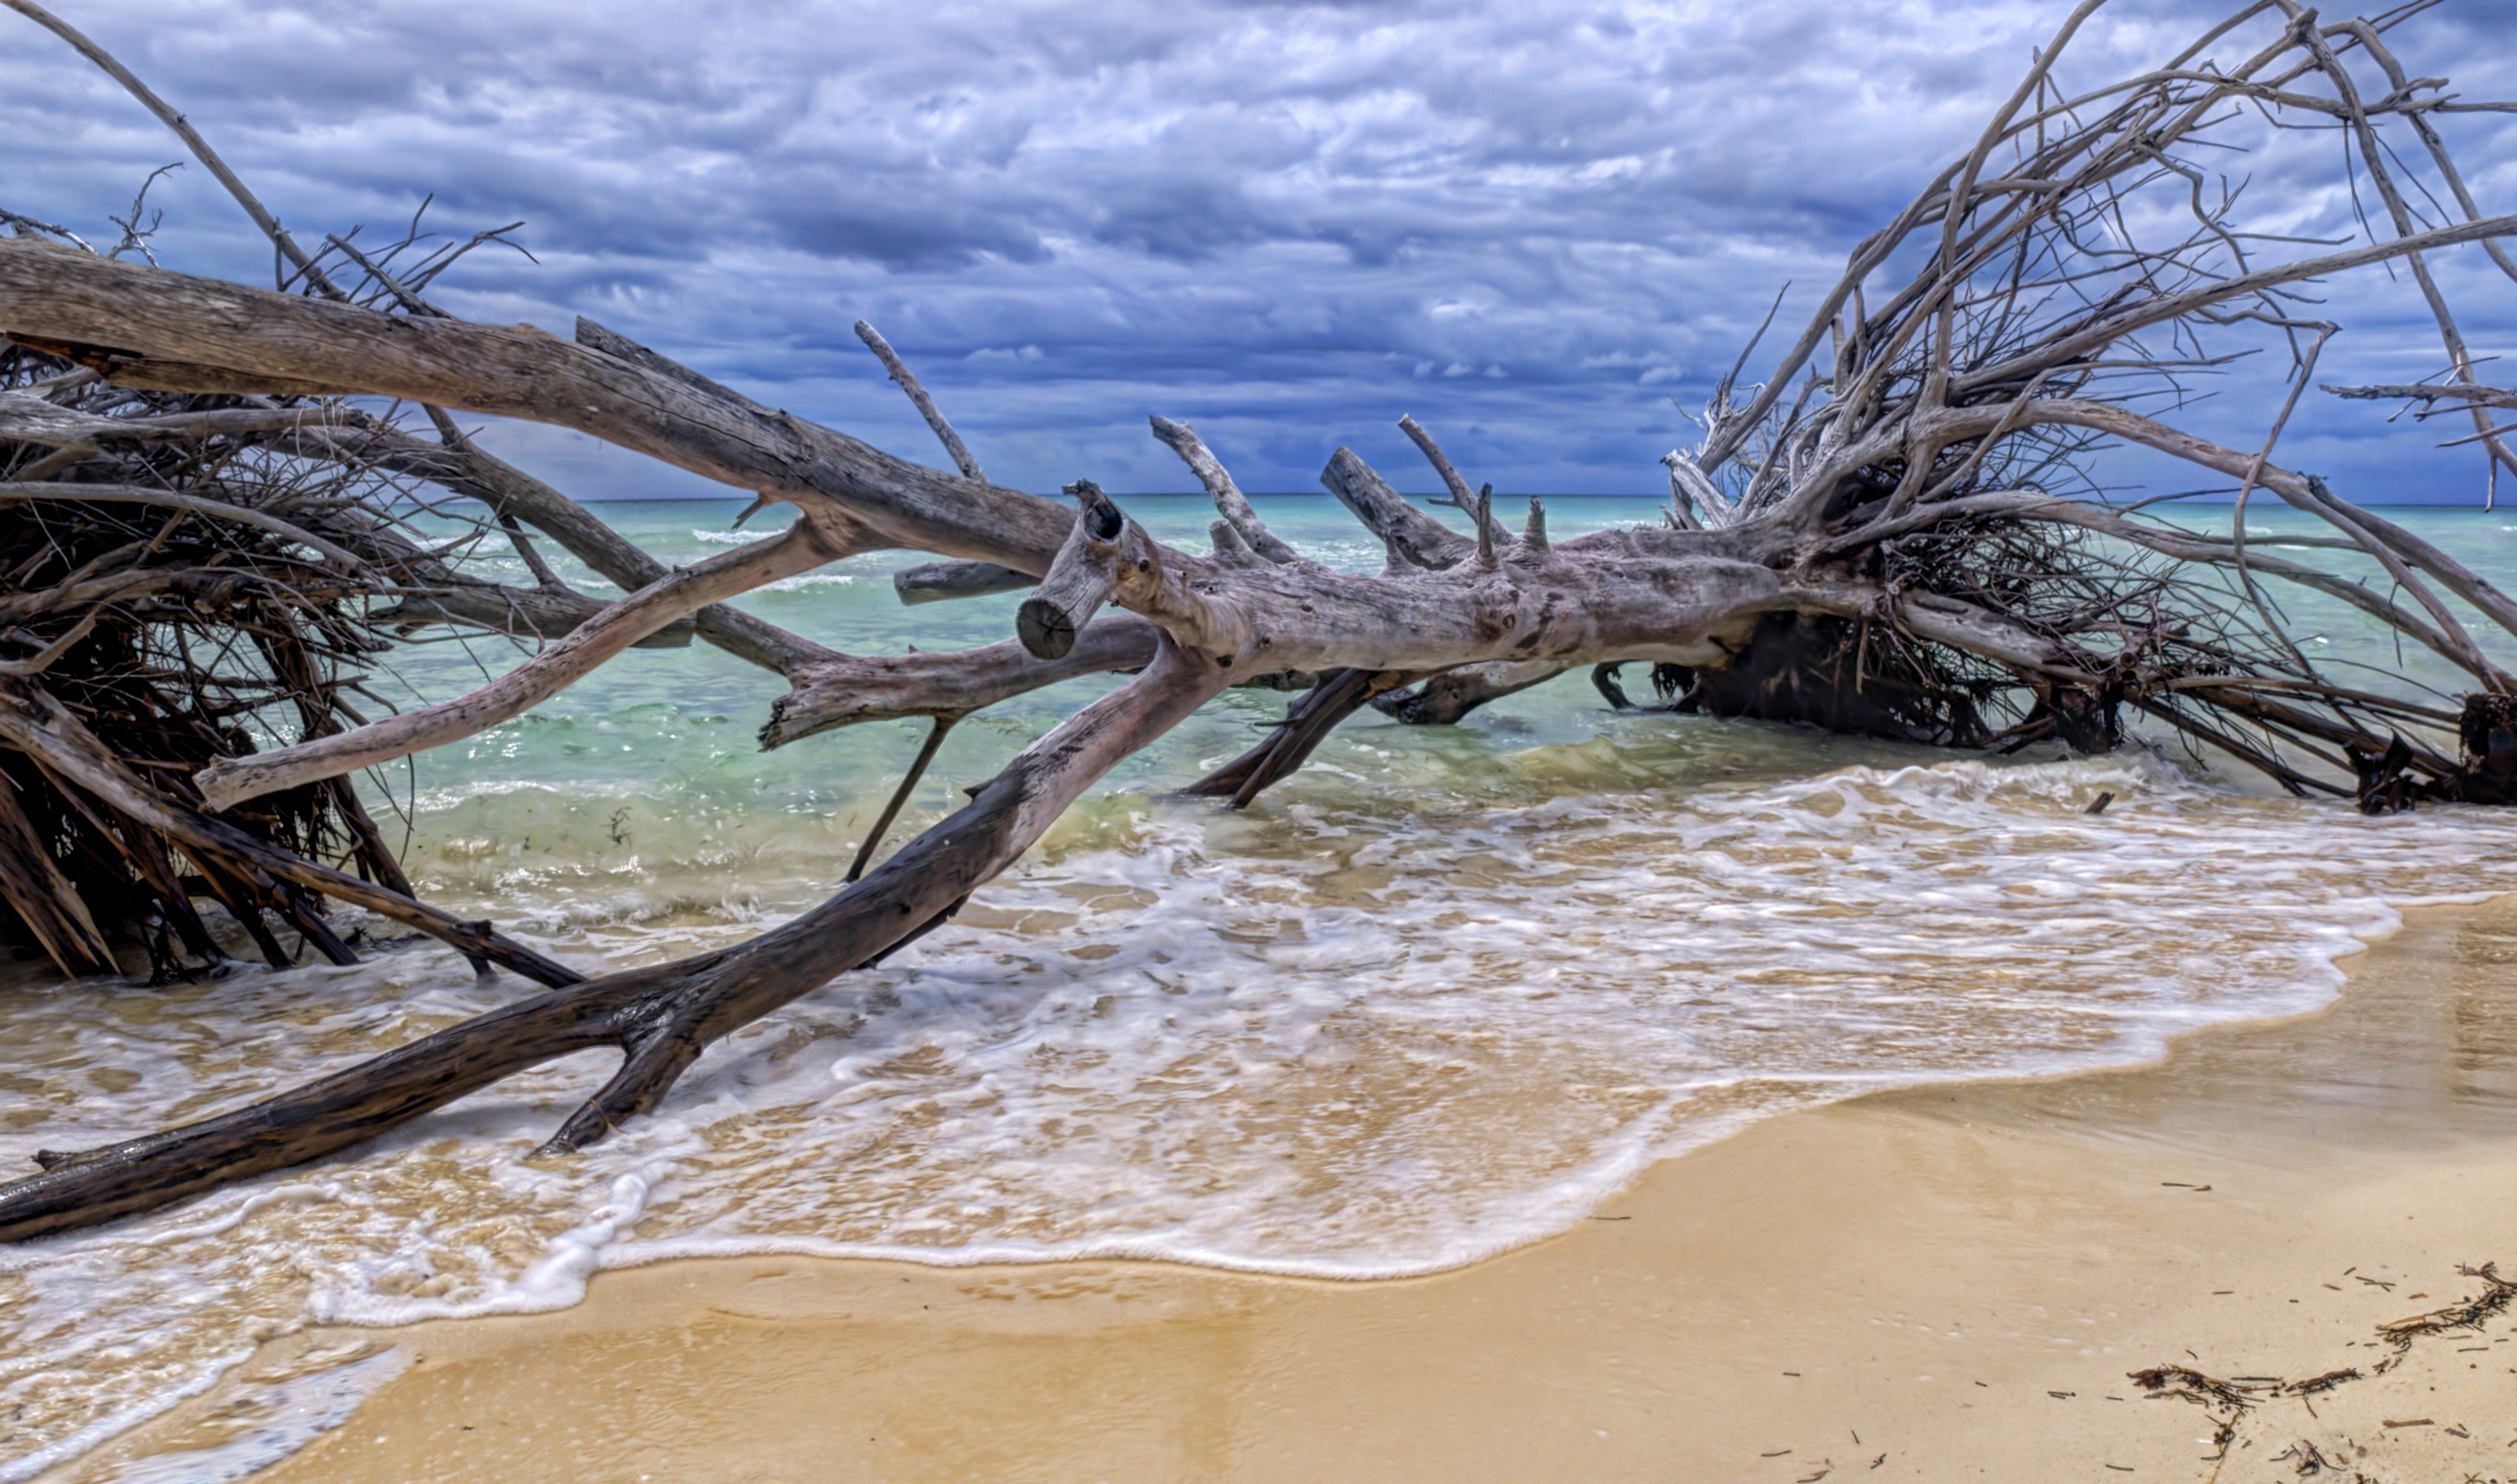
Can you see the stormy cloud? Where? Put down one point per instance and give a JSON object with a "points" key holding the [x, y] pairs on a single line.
{"points": [[1530, 222]]}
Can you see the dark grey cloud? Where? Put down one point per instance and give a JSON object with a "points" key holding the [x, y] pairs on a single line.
{"points": [[1527, 222]]}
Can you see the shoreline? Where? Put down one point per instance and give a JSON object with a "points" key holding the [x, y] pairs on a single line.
{"points": [[1940, 1282]]}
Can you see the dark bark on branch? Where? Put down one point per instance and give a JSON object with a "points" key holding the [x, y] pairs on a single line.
{"points": [[1307, 723], [660, 1018], [43, 898], [1447, 698]]}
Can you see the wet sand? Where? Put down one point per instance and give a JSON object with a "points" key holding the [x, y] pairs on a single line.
{"points": [[1939, 1284]]}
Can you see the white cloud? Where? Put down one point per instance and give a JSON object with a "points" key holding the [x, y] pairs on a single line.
{"points": [[1274, 220]]}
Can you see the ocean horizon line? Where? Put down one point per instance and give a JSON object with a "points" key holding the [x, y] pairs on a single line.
{"points": [[1442, 498]]}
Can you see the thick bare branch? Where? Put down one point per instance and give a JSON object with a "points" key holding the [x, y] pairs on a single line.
{"points": [[1467, 504], [151, 328], [1082, 578], [944, 581], [620, 347]]}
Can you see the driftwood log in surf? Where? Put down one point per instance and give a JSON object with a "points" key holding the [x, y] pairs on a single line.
{"points": [[1882, 537]]}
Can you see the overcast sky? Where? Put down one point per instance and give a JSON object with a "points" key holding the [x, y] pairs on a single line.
{"points": [[1527, 222]]}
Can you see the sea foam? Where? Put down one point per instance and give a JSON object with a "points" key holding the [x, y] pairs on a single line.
{"points": [[1434, 998], [1327, 1037]]}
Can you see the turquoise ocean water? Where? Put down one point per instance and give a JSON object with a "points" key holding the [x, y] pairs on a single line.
{"points": [[1430, 999]]}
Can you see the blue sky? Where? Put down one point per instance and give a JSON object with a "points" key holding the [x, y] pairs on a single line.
{"points": [[1527, 222]]}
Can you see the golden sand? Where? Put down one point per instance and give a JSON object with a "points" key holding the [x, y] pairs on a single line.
{"points": [[1942, 1284]]}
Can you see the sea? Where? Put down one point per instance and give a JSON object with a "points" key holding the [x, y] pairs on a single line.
{"points": [[1431, 999]]}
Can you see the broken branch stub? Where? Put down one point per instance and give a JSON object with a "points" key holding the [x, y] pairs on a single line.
{"points": [[1080, 579]]}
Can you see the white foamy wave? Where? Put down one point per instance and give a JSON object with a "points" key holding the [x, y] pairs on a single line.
{"points": [[267, 1422], [1429, 1000], [1323, 1037], [202, 1377]]}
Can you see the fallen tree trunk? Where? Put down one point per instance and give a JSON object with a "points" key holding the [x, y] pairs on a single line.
{"points": [[1870, 541]]}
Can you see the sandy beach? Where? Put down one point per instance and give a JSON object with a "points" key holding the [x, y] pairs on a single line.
{"points": [[1935, 904], [1938, 1284]]}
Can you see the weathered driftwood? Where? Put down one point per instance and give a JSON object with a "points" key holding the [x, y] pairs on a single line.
{"points": [[1872, 539], [661, 1018], [918, 398], [943, 581], [1449, 696]]}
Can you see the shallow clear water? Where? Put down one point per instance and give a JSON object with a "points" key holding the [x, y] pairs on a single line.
{"points": [[1430, 999]]}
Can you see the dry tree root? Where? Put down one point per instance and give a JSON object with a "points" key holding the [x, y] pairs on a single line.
{"points": [[72, 758], [162, 608]]}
